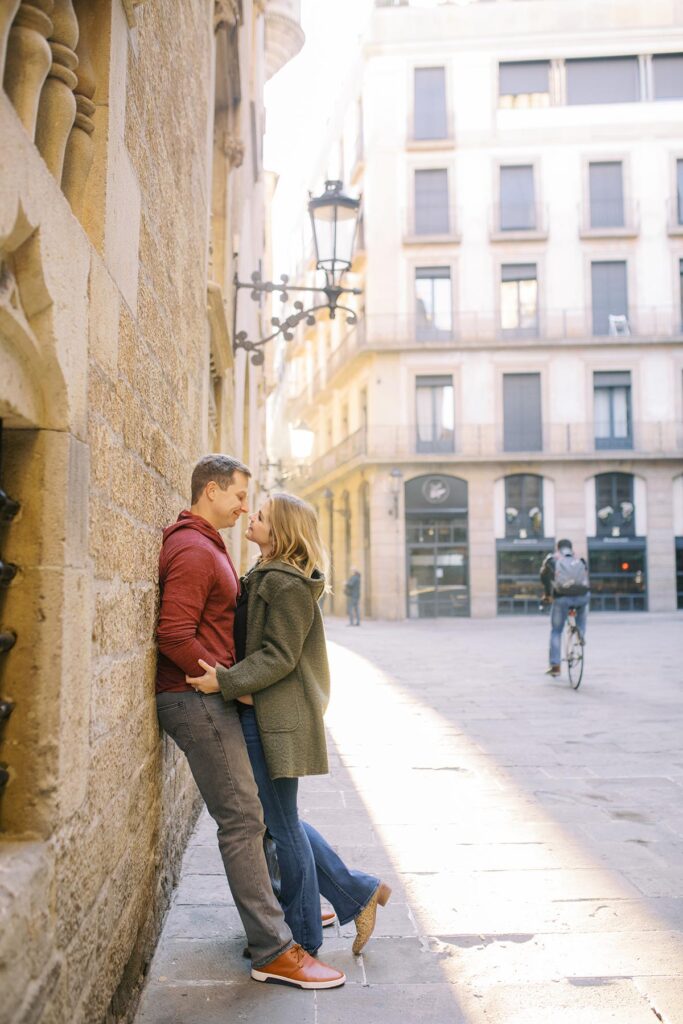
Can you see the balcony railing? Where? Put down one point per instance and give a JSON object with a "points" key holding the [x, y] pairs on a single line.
{"points": [[488, 441], [514, 221], [430, 223], [610, 217], [675, 215], [387, 332]]}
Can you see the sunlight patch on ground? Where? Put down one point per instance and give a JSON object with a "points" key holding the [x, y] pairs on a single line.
{"points": [[480, 861]]}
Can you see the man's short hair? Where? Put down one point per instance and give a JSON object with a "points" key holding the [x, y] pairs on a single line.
{"points": [[220, 468], [565, 545]]}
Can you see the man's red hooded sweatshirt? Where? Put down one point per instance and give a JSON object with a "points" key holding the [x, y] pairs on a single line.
{"points": [[199, 588]]}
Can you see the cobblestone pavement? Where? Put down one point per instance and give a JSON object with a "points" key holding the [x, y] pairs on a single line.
{"points": [[533, 837]]}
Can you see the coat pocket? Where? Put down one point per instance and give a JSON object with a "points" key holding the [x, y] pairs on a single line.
{"points": [[278, 708]]}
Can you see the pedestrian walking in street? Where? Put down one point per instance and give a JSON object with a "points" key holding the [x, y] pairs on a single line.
{"points": [[566, 585], [283, 687], [352, 591], [199, 588]]}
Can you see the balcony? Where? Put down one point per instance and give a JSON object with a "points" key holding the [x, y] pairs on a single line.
{"points": [[485, 442], [559, 328], [430, 225], [675, 215], [610, 218], [518, 222], [284, 35]]}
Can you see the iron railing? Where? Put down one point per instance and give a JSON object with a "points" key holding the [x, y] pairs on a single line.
{"points": [[488, 441]]}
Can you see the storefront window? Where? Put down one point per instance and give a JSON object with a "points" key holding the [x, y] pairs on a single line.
{"points": [[523, 506], [618, 576]]}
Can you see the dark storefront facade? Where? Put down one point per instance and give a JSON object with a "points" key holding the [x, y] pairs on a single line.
{"points": [[436, 547]]}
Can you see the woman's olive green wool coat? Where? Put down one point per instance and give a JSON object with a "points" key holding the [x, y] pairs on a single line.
{"points": [[285, 669]]}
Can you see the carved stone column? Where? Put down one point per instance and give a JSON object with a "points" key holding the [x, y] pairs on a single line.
{"points": [[57, 109], [80, 149], [8, 8], [28, 59]]}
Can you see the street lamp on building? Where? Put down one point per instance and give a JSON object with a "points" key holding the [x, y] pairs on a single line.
{"points": [[301, 440], [334, 220], [396, 476]]}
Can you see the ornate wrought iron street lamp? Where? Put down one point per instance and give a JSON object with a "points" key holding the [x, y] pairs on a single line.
{"points": [[334, 218]]}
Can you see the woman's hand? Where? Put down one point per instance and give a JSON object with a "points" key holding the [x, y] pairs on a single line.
{"points": [[208, 683]]}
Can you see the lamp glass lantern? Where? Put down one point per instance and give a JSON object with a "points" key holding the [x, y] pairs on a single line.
{"points": [[334, 219], [301, 440]]}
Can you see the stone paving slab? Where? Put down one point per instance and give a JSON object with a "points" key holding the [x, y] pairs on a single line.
{"points": [[533, 837]]}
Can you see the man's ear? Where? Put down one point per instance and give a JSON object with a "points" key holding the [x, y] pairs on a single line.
{"points": [[210, 489]]}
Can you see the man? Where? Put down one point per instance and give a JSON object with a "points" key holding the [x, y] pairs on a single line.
{"points": [[565, 584], [199, 588], [352, 591]]}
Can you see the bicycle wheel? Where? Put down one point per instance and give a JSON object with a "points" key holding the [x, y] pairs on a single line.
{"points": [[575, 656]]}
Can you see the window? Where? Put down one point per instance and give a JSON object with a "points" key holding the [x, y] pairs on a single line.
{"points": [[524, 83], [522, 412], [612, 410], [668, 76], [679, 572], [679, 191], [610, 298], [433, 303], [680, 278], [431, 203], [614, 507], [606, 195], [519, 299], [603, 80], [430, 118], [523, 506], [435, 414], [517, 205]]}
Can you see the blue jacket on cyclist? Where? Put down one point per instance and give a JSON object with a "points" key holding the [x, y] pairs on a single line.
{"points": [[565, 581]]}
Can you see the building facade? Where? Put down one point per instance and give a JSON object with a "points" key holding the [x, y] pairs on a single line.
{"points": [[517, 375], [131, 188]]}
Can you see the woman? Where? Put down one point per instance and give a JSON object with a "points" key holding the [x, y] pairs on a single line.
{"points": [[283, 687]]}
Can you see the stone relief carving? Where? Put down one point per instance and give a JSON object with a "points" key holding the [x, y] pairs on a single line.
{"points": [[226, 12], [27, 366], [233, 149]]}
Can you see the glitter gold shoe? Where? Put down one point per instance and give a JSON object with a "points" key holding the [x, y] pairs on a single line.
{"points": [[365, 921]]}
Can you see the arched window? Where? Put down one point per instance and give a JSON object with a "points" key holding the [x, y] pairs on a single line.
{"points": [[523, 506], [615, 505]]}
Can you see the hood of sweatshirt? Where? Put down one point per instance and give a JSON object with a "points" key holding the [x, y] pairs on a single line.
{"points": [[189, 521], [316, 582]]}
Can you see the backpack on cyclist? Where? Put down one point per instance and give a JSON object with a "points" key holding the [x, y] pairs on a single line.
{"points": [[571, 576]]}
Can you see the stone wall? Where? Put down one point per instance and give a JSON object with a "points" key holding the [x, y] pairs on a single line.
{"points": [[104, 355]]}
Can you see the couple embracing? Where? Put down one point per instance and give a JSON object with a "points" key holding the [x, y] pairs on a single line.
{"points": [[242, 685]]}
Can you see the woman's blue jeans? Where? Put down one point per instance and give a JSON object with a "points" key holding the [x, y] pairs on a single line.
{"points": [[309, 867]]}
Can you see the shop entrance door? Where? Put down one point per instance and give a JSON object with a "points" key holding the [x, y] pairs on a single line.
{"points": [[436, 547]]}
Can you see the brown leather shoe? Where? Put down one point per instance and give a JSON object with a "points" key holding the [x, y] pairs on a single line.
{"points": [[365, 921], [328, 918], [296, 967], [554, 670]]}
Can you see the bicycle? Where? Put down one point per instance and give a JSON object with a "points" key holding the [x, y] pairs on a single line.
{"points": [[573, 646]]}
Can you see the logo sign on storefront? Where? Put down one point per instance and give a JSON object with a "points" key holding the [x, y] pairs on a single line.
{"points": [[435, 490]]}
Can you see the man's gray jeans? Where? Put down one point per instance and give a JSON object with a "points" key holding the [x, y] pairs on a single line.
{"points": [[208, 731]]}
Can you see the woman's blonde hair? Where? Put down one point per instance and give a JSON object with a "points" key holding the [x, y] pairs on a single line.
{"points": [[295, 535]]}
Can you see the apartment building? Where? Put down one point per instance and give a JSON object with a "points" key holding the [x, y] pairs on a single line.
{"points": [[517, 374]]}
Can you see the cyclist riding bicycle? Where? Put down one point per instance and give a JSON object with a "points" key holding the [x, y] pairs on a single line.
{"points": [[565, 583]]}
